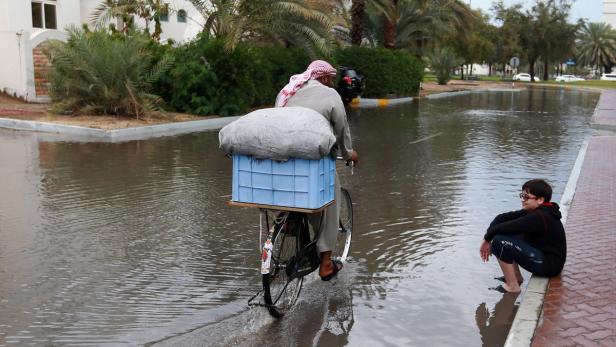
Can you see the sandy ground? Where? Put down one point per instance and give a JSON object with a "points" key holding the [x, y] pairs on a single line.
{"points": [[18, 109]]}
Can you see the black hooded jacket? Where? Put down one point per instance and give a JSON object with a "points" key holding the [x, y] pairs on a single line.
{"points": [[541, 229]]}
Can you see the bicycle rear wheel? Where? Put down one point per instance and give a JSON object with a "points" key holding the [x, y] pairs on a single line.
{"points": [[280, 292], [345, 229]]}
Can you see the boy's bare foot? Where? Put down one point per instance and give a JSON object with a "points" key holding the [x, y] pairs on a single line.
{"points": [[512, 289], [504, 288], [502, 279]]}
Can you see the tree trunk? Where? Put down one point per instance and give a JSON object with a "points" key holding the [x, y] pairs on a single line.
{"points": [[420, 45], [531, 69], [546, 74], [357, 20], [389, 34], [462, 72], [490, 70]]}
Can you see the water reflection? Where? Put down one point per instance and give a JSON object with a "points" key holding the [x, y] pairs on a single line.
{"points": [[491, 324], [130, 243]]}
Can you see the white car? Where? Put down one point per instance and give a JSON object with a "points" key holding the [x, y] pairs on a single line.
{"points": [[568, 78], [608, 77], [524, 77]]}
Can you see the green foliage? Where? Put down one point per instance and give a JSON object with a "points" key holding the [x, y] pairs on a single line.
{"points": [[542, 32], [212, 80], [387, 72], [415, 24], [596, 45], [125, 10], [442, 61], [275, 65], [475, 45], [95, 72], [301, 23]]}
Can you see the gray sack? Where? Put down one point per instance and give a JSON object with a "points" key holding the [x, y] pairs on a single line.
{"points": [[279, 133]]}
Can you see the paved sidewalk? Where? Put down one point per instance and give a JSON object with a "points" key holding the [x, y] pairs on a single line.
{"points": [[579, 307]]}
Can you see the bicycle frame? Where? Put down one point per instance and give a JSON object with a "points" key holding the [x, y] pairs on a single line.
{"points": [[280, 222], [289, 252]]}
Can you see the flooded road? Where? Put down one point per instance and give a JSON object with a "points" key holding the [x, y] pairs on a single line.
{"points": [[133, 243]]}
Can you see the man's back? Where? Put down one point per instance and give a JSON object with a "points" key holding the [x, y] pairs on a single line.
{"points": [[327, 102], [320, 98]]}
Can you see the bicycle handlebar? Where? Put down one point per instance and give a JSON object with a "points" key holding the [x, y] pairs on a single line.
{"points": [[349, 163]]}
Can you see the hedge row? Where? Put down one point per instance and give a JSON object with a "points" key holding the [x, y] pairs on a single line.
{"points": [[207, 79], [388, 73]]}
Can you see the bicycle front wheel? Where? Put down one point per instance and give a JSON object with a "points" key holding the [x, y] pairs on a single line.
{"points": [[345, 228], [280, 292]]}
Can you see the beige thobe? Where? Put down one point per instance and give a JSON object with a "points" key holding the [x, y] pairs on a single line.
{"points": [[326, 101]]}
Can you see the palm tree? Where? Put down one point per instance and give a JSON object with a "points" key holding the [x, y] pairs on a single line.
{"points": [[387, 12], [124, 10], [97, 73], [596, 45], [358, 9], [442, 61], [411, 24], [306, 24]]}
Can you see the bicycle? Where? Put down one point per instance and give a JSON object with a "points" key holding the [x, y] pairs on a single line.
{"points": [[289, 252]]}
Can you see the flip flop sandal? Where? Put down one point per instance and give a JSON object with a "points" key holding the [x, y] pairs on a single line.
{"points": [[502, 279], [337, 268]]}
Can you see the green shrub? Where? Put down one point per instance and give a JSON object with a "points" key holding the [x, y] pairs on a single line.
{"points": [[100, 73], [207, 80], [276, 65], [387, 72], [211, 80], [442, 61]]}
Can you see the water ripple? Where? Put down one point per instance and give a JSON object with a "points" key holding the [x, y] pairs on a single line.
{"points": [[129, 243]]}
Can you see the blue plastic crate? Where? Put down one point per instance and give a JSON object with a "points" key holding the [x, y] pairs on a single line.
{"points": [[297, 183]]}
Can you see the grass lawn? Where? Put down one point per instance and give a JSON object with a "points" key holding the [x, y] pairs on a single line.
{"points": [[589, 83], [429, 77]]}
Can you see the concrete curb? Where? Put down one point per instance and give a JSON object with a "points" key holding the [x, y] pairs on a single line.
{"points": [[369, 103], [118, 135], [525, 322], [471, 91], [564, 86]]}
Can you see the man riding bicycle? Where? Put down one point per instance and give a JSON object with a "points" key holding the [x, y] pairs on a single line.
{"points": [[314, 89]]}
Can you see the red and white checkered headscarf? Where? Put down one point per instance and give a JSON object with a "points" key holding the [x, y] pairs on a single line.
{"points": [[316, 69]]}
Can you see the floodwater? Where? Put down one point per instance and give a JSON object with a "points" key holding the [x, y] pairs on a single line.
{"points": [[132, 243]]}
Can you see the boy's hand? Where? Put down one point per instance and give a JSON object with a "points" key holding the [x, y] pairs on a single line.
{"points": [[484, 250]]}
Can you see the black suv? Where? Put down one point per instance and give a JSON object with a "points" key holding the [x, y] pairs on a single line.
{"points": [[350, 85]]}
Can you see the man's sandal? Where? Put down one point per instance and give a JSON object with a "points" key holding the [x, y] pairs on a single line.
{"points": [[337, 267]]}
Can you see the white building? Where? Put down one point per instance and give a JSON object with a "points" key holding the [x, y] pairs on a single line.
{"points": [[25, 27], [609, 12]]}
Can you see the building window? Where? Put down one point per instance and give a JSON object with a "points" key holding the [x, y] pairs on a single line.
{"points": [[44, 14], [181, 16], [164, 18]]}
